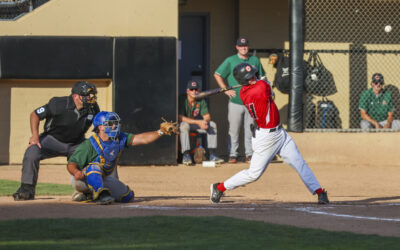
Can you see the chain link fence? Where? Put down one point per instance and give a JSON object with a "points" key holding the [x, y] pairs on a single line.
{"points": [[346, 42]]}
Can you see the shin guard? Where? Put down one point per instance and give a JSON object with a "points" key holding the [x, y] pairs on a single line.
{"points": [[94, 179]]}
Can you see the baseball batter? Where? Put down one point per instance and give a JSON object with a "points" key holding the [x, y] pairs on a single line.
{"points": [[93, 166], [269, 138]]}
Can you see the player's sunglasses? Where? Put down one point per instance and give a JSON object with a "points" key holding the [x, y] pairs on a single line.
{"points": [[378, 83], [193, 89]]}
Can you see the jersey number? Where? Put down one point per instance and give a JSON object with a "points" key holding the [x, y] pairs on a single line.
{"points": [[252, 110], [40, 110]]}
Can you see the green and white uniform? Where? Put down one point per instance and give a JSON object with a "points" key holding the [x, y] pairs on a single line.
{"points": [[378, 107], [196, 111]]}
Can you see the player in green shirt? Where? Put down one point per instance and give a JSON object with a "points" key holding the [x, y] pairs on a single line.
{"points": [[194, 116], [376, 106], [237, 112], [93, 165]]}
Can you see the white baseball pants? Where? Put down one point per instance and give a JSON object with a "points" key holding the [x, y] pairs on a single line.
{"points": [[265, 146]]}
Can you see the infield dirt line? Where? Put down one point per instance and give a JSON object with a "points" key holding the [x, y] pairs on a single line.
{"points": [[311, 210]]}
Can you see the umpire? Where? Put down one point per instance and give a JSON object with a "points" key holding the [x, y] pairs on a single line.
{"points": [[68, 118]]}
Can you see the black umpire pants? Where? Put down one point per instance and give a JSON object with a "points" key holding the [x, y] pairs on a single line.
{"points": [[51, 147]]}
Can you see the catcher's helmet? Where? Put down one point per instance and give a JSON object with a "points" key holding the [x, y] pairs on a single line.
{"points": [[87, 90], [110, 121], [244, 72]]}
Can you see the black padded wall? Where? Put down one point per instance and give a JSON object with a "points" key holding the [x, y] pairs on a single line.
{"points": [[145, 90], [48, 57]]}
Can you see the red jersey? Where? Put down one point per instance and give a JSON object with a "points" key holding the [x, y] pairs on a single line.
{"points": [[258, 100]]}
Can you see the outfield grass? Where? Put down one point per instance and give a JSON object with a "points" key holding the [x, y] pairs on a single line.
{"points": [[7, 188], [168, 232]]}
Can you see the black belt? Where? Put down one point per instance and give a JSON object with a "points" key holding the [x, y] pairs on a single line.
{"points": [[254, 127], [270, 130]]}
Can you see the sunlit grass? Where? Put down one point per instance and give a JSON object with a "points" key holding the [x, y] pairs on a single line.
{"points": [[169, 232]]}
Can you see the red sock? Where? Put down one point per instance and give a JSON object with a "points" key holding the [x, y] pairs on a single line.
{"points": [[221, 187], [318, 191]]}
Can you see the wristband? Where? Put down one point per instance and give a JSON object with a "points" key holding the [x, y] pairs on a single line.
{"points": [[160, 133]]}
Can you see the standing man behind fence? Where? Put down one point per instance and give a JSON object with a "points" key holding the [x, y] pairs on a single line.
{"points": [[236, 110]]}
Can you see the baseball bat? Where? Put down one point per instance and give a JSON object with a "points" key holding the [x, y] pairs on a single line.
{"points": [[212, 92]]}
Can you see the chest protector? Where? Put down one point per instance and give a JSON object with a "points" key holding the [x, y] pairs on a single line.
{"points": [[108, 152]]}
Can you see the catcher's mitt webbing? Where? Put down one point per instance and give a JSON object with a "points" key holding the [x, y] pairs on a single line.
{"points": [[169, 128]]}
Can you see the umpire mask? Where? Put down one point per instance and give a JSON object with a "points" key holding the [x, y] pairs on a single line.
{"points": [[87, 91]]}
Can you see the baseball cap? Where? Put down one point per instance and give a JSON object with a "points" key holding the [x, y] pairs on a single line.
{"points": [[193, 84], [377, 78], [242, 41]]}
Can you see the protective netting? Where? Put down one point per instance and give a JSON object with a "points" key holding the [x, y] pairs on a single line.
{"points": [[353, 39], [13, 9]]}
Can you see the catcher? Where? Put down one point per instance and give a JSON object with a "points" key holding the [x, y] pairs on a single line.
{"points": [[93, 166]]}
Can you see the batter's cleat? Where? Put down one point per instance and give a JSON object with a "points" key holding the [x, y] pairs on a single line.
{"points": [[187, 159], [215, 195], [323, 197], [232, 160], [81, 197], [25, 192], [216, 159], [105, 198]]}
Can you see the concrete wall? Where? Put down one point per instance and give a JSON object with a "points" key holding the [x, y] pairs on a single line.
{"points": [[98, 18], [376, 149]]}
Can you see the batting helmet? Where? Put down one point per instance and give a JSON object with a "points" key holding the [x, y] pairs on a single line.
{"points": [[110, 121], [244, 72]]}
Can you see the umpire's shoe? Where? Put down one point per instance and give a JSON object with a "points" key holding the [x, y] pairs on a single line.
{"points": [[323, 197], [105, 198], [215, 193], [25, 192]]}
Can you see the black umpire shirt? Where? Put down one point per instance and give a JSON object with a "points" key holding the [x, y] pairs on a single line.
{"points": [[64, 121]]}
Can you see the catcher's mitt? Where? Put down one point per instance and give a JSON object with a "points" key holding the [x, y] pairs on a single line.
{"points": [[169, 128]]}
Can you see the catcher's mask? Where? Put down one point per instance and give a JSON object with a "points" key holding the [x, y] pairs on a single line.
{"points": [[110, 121], [88, 92], [244, 72]]}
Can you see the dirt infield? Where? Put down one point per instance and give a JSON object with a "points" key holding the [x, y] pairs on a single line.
{"points": [[364, 199]]}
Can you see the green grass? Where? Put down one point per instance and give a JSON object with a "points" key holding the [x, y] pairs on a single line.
{"points": [[168, 232], [7, 188]]}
